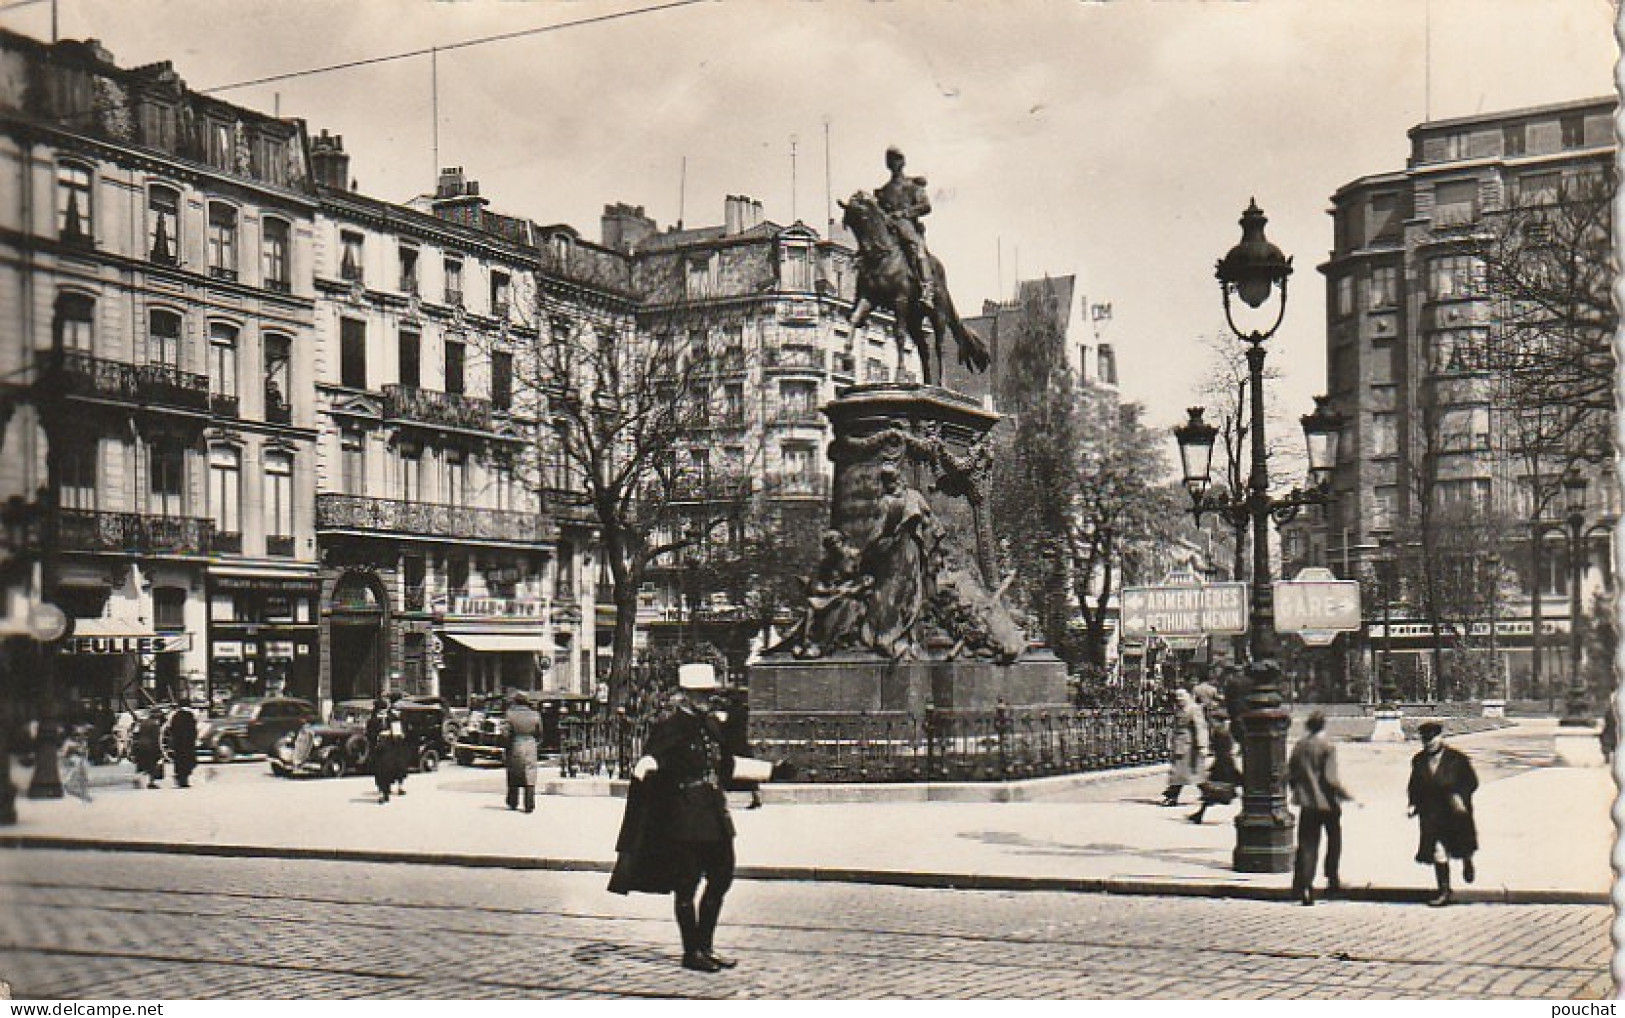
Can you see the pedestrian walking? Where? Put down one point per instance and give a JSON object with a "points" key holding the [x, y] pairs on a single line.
{"points": [[1207, 697], [1441, 798], [1187, 746], [1609, 736], [1223, 776], [524, 729], [397, 729], [182, 727], [385, 749], [1319, 794], [147, 747], [676, 828]]}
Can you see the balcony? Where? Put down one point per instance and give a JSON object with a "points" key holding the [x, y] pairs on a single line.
{"points": [[393, 516], [454, 298], [793, 358], [226, 542], [797, 416], [409, 285], [279, 545], [221, 272], [437, 409], [277, 409], [156, 384], [797, 484], [134, 533], [278, 285], [223, 404]]}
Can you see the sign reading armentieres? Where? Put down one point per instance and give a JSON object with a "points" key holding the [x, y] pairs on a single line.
{"points": [[1184, 608]]}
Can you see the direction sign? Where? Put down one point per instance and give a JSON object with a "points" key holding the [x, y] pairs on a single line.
{"points": [[1210, 609], [1317, 602]]}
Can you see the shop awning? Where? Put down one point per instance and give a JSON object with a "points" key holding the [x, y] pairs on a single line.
{"points": [[501, 643]]}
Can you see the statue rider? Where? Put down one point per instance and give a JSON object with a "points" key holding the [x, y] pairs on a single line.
{"points": [[906, 200]]}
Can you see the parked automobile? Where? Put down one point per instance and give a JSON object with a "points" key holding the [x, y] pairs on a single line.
{"points": [[339, 746], [253, 725], [485, 733]]}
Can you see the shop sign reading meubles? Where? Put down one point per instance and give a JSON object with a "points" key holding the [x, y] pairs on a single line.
{"points": [[163, 643]]}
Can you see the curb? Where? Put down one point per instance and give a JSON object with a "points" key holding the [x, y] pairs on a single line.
{"points": [[1171, 888]]}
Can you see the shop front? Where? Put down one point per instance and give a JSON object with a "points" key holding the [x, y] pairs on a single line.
{"points": [[262, 637], [489, 645]]}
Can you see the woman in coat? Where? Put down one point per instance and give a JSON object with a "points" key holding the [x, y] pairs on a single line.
{"points": [[183, 742], [1223, 776], [524, 728], [1441, 797], [1187, 746], [147, 747], [386, 749]]}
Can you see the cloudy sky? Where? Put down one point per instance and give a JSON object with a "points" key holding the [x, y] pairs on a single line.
{"points": [[1117, 141]]}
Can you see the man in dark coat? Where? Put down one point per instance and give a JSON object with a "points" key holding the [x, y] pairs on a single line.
{"points": [[1319, 793], [183, 742], [1441, 797], [676, 827]]}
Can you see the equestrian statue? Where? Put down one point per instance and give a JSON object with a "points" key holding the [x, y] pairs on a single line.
{"points": [[898, 274]]}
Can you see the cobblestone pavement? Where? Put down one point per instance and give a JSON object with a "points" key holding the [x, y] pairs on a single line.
{"points": [[85, 924]]}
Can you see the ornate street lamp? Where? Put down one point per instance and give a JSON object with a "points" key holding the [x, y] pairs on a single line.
{"points": [[1252, 271], [1577, 711]]}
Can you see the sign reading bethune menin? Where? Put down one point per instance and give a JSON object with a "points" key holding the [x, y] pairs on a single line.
{"points": [[161, 644], [1208, 609]]}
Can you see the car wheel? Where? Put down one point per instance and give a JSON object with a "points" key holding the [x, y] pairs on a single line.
{"points": [[279, 770], [333, 765], [464, 758], [428, 760], [225, 751]]}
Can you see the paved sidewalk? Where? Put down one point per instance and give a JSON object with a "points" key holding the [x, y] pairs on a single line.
{"points": [[1545, 829]]}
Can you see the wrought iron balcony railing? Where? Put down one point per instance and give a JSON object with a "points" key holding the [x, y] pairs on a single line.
{"points": [[796, 358], [794, 483], [394, 516], [441, 409], [157, 384], [95, 530]]}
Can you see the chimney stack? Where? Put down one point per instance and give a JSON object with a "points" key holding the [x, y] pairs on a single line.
{"points": [[457, 199], [623, 227], [328, 163]]}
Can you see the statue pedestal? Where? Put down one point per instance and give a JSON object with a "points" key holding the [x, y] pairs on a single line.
{"points": [[1495, 708], [1388, 728]]}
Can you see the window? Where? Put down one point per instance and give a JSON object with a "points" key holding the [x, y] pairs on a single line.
{"points": [[274, 255], [1384, 506], [1453, 145], [76, 322], [278, 494], [454, 477], [166, 479], [1470, 495], [1455, 202], [1514, 140], [409, 345], [503, 482], [225, 489], [798, 459], [222, 241], [798, 399], [700, 276], [1574, 131], [499, 293], [411, 473], [164, 338], [353, 353], [73, 206], [455, 353], [353, 461], [1107, 356], [874, 370], [278, 388], [1454, 276], [1464, 429], [1382, 363], [78, 470], [457, 575], [796, 271], [1345, 295], [1452, 351], [699, 462], [454, 282], [733, 403], [1384, 437], [501, 379], [409, 269], [163, 225], [1384, 217], [351, 259], [1384, 291], [223, 367], [1538, 188]]}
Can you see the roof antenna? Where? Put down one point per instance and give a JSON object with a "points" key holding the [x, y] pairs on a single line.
{"points": [[829, 194], [682, 191], [793, 217]]}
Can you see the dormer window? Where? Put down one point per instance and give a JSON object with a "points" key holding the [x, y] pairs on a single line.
{"points": [[796, 267]]}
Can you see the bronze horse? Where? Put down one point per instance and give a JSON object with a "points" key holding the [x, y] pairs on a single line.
{"points": [[886, 280]]}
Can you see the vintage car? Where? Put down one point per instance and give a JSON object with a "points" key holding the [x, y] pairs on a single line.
{"points": [[253, 725], [485, 734], [339, 746]]}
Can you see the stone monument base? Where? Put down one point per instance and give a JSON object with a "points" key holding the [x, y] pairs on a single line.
{"points": [[861, 682], [1388, 728]]}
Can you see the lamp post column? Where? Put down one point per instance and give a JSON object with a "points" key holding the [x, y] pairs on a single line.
{"points": [[1577, 711], [1264, 828]]}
